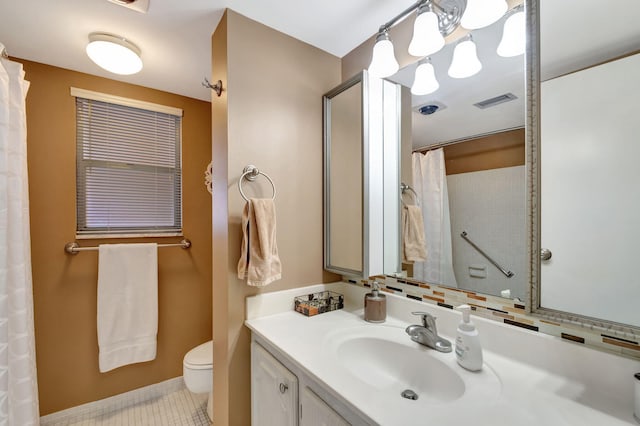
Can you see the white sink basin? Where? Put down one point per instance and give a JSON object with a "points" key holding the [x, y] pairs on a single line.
{"points": [[386, 360], [390, 366]]}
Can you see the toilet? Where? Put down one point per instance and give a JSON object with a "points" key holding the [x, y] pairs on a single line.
{"points": [[197, 370]]}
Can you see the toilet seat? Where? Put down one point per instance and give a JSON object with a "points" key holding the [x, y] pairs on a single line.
{"points": [[200, 357]]}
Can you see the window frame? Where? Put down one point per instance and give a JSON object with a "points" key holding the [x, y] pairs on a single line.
{"points": [[142, 231]]}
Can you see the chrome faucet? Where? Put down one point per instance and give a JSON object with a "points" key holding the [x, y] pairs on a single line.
{"points": [[427, 333]]}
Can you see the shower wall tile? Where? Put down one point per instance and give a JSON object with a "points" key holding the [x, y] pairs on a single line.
{"points": [[490, 206]]}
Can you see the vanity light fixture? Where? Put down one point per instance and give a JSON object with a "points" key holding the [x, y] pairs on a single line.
{"points": [[434, 21], [114, 53], [513, 40], [482, 13], [425, 81], [465, 62]]}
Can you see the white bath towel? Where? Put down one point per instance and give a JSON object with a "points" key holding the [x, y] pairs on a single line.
{"points": [[127, 304], [259, 260]]}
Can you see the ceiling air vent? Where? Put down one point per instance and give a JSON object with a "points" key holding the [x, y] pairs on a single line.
{"points": [[137, 5], [488, 103]]}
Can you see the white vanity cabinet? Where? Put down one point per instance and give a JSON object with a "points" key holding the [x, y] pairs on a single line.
{"points": [[274, 390], [284, 394], [315, 412]]}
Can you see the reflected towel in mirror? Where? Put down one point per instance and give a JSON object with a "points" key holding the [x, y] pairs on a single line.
{"points": [[413, 239]]}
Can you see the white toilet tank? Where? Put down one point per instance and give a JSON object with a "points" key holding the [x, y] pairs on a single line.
{"points": [[197, 368]]}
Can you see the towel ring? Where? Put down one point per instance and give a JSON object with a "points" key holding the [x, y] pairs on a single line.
{"points": [[250, 173], [403, 188]]}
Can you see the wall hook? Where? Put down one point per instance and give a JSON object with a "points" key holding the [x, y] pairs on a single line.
{"points": [[216, 87]]}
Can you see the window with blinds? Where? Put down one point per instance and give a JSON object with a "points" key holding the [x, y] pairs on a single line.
{"points": [[128, 169]]}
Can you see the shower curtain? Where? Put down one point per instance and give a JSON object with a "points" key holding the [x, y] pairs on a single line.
{"points": [[18, 386], [430, 182]]}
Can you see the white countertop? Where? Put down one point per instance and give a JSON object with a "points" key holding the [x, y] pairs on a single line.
{"points": [[526, 395]]}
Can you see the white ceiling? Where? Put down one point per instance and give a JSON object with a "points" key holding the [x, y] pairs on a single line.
{"points": [[175, 35]]}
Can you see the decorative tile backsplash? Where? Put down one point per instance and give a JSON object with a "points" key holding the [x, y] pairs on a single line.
{"points": [[508, 312]]}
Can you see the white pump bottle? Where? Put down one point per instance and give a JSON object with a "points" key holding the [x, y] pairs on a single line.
{"points": [[468, 349]]}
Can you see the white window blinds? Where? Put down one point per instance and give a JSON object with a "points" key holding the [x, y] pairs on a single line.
{"points": [[128, 169]]}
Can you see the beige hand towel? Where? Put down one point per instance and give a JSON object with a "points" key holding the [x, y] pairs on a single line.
{"points": [[259, 261], [413, 239], [127, 304]]}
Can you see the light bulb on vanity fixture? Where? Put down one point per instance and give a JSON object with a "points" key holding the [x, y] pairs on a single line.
{"points": [[425, 81], [383, 61], [114, 53], [513, 40], [482, 13], [427, 38], [465, 62]]}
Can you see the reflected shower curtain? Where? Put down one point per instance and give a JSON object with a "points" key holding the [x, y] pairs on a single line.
{"points": [[430, 182], [18, 386]]}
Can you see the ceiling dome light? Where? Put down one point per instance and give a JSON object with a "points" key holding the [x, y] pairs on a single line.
{"points": [[114, 53], [465, 62], [383, 60], [482, 13], [513, 36], [425, 81], [427, 38]]}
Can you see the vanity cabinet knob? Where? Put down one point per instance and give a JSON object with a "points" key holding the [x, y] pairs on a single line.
{"points": [[283, 387], [545, 254]]}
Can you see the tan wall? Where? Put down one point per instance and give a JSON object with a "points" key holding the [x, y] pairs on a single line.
{"points": [[504, 149], [65, 285], [270, 116]]}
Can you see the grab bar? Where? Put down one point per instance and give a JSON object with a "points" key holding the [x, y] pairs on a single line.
{"points": [[508, 274]]}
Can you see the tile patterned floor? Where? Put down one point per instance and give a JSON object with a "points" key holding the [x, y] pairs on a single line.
{"points": [[165, 404]]}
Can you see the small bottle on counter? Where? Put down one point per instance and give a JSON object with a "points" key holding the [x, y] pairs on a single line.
{"points": [[468, 349], [375, 305]]}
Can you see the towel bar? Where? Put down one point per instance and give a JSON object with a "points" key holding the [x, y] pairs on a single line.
{"points": [[74, 248]]}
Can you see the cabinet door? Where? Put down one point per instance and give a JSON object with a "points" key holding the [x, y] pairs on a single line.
{"points": [[274, 390], [315, 412]]}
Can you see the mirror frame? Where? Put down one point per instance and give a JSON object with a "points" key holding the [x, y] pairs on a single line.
{"points": [[532, 164], [326, 111]]}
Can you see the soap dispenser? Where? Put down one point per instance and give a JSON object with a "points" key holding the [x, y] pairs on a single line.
{"points": [[375, 305], [468, 349]]}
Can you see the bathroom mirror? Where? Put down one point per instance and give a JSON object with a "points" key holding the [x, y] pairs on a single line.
{"points": [[361, 175], [478, 122], [344, 124], [584, 150]]}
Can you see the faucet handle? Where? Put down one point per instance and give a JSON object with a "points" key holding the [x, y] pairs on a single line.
{"points": [[428, 320]]}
